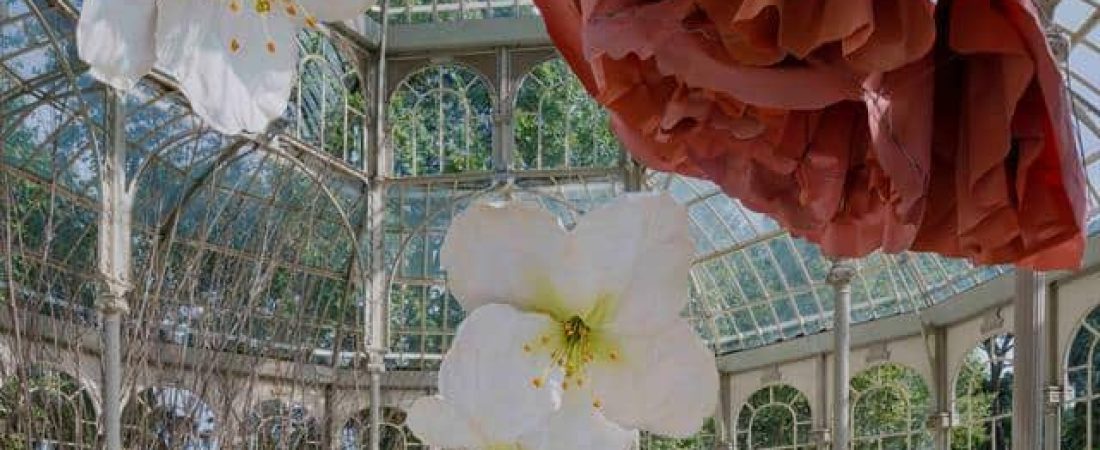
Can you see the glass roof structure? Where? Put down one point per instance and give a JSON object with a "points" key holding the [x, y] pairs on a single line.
{"points": [[263, 243], [268, 270]]}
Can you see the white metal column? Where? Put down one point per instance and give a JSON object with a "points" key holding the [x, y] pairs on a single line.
{"points": [[821, 403], [840, 277], [504, 141], [1029, 360], [727, 436], [1054, 393], [114, 266], [379, 169], [940, 422]]}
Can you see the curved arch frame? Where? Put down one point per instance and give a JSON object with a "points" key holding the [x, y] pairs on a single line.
{"points": [[984, 420], [421, 70], [910, 433], [796, 442]]}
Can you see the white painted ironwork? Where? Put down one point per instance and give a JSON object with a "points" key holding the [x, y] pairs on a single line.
{"points": [[840, 277], [244, 286]]}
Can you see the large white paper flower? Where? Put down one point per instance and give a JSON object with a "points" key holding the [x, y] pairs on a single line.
{"points": [[234, 59], [486, 401], [608, 296]]}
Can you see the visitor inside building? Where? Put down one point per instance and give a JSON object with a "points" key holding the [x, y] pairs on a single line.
{"points": [[550, 224]]}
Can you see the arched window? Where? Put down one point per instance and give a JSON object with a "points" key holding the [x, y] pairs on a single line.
{"points": [[774, 418], [395, 435], [47, 410], [328, 108], [441, 122], [276, 425], [558, 125], [1081, 412], [890, 404], [983, 396], [703, 440], [169, 418]]}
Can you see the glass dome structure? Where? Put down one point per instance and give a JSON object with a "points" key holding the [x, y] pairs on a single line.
{"points": [[285, 289]]}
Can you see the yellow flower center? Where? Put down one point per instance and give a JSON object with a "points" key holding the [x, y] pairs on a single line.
{"points": [[575, 348], [263, 8], [574, 340]]}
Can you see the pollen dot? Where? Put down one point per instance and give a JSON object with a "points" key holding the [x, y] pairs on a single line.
{"points": [[613, 356], [565, 386], [271, 46], [291, 10], [235, 6], [527, 348], [536, 382], [311, 21], [596, 403], [234, 45]]}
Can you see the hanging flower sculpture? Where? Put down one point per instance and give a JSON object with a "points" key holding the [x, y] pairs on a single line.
{"points": [[486, 403], [860, 125], [596, 308], [235, 60]]}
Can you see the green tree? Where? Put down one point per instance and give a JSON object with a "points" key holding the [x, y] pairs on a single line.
{"points": [[558, 124]]}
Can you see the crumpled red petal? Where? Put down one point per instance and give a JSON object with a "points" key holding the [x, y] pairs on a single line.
{"points": [[858, 124]]}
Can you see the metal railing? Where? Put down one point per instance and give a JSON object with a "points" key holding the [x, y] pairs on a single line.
{"points": [[434, 11]]}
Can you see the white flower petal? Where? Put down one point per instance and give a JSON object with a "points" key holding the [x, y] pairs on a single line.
{"points": [[666, 383], [638, 250], [439, 424], [500, 253], [336, 10], [115, 37], [233, 91], [488, 375], [579, 426]]}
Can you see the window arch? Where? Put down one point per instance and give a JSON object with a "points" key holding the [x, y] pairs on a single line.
{"points": [[1081, 410], [328, 107], [48, 409], [558, 125], [983, 396], [775, 418], [890, 404], [276, 425], [169, 418], [395, 435], [441, 122]]}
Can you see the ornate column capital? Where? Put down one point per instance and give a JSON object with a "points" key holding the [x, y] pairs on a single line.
{"points": [[113, 297], [376, 361], [841, 272], [940, 421], [1059, 43], [1055, 396]]}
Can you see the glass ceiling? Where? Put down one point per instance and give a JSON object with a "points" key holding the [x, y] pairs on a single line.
{"points": [[260, 244]]}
